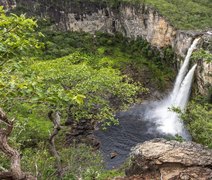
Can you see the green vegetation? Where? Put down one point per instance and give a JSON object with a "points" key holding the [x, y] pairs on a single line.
{"points": [[18, 38], [30, 88], [74, 71], [199, 122], [88, 76], [183, 14], [198, 116], [201, 54], [117, 52]]}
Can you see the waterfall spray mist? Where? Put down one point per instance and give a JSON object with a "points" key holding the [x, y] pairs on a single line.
{"points": [[168, 121]]}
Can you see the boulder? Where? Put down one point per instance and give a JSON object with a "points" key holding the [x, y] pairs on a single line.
{"points": [[170, 160]]}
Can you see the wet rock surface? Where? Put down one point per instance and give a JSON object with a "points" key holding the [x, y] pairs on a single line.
{"points": [[170, 160], [204, 69], [203, 73]]}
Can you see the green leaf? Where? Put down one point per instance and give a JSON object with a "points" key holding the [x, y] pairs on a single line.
{"points": [[79, 99]]}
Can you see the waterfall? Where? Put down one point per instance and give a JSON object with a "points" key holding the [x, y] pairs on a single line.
{"points": [[184, 93], [168, 121], [183, 71]]}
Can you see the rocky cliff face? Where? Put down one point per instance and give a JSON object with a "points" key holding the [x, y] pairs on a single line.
{"points": [[168, 160], [183, 41], [130, 20]]}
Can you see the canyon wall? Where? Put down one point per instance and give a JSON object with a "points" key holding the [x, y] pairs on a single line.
{"points": [[130, 20]]}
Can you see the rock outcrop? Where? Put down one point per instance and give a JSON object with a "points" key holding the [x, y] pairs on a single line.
{"points": [[182, 42], [170, 160], [204, 70]]}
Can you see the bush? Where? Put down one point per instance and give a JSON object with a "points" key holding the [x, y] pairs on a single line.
{"points": [[199, 122]]}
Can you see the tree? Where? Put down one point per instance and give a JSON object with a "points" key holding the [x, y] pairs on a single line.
{"points": [[17, 36], [56, 85], [16, 40], [15, 170], [92, 94]]}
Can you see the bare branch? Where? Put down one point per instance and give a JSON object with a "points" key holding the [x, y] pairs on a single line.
{"points": [[55, 118], [15, 170]]}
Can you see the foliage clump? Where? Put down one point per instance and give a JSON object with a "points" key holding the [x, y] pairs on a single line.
{"points": [[31, 87], [18, 37], [198, 119], [201, 54], [103, 91]]}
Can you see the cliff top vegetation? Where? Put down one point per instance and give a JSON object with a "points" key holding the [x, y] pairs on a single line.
{"points": [[183, 14], [189, 14]]}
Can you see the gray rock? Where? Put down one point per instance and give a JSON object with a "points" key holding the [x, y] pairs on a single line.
{"points": [[170, 160]]}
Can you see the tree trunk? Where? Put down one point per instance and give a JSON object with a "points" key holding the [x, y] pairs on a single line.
{"points": [[15, 170], [55, 118]]}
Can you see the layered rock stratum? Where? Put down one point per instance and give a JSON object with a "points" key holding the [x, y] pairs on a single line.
{"points": [[160, 159]]}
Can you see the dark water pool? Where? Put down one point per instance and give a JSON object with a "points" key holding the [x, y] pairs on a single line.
{"points": [[133, 129]]}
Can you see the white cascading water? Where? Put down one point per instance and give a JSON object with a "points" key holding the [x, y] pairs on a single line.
{"points": [[183, 71], [167, 120], [183, 95]]}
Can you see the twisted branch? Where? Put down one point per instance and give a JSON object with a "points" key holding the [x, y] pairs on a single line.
{"points": [[15, 172], [55, 118]]}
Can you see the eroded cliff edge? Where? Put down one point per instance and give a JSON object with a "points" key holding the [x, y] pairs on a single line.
{"points": [[169, 160], [132, 21]]}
